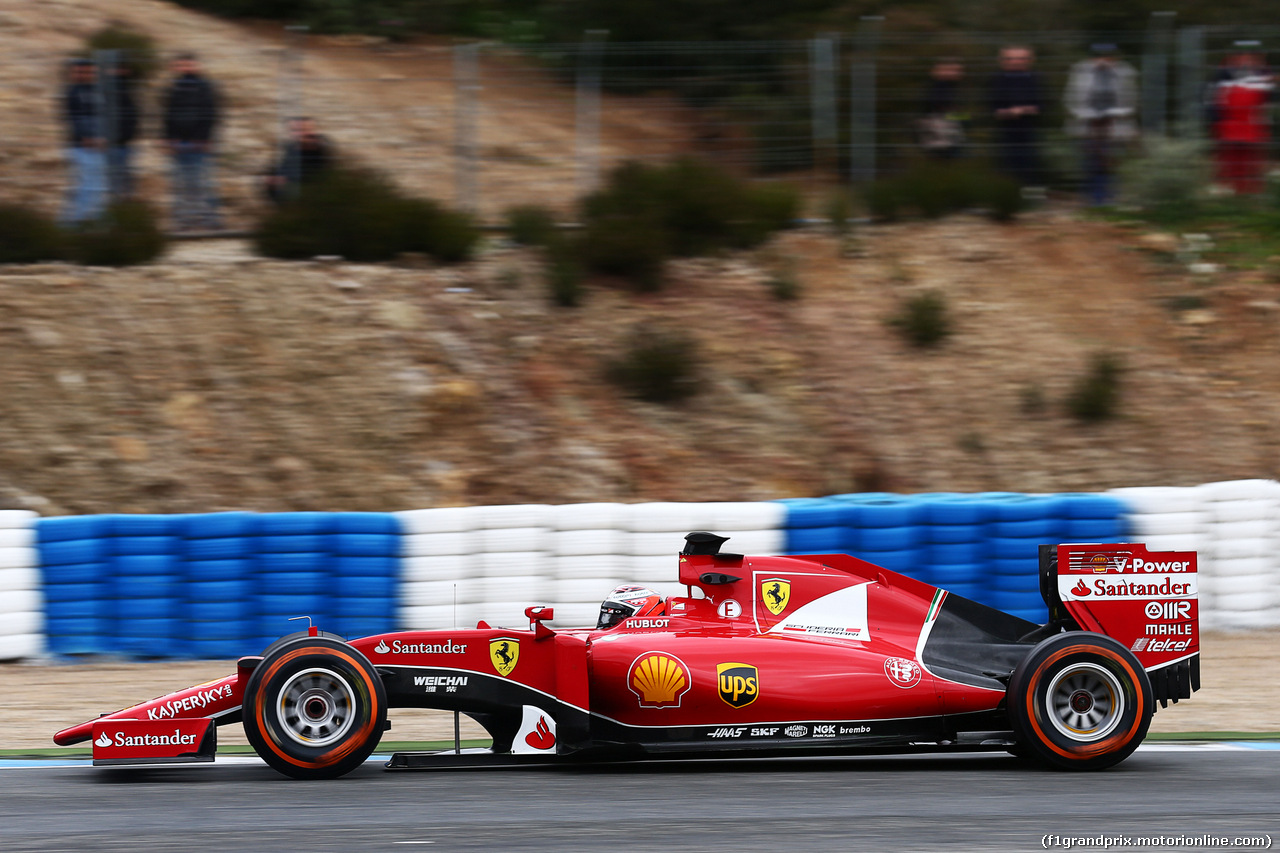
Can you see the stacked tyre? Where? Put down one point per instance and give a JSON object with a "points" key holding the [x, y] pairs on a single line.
{"points": [[588, 559], [146, 584], [438, 553], [886, 529], [955, 544], [292, 575], [819, 526], [1239, 576], [1171, 518], [1018, 525], [366, 568], [513, 568], [21, 601], [219, 617], [76, 579]]}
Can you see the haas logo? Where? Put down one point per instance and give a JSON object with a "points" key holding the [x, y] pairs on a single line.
{"points": [[102, 741], [1080, 589], [541, 737]]}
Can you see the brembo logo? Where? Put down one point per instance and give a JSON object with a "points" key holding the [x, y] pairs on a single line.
{"points": [[196, 700]]}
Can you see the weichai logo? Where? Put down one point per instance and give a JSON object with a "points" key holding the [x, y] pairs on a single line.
{"points": [[739, 683]]}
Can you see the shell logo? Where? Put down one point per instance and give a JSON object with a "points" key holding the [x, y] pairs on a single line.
{"points": [[658, 680], [1100, 563]]}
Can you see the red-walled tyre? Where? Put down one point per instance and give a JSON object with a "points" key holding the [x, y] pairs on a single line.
{"points": [[1079, 701], [314, 708]]}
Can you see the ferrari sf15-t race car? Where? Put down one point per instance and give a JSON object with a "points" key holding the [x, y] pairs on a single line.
{"points": [[822, 654]]}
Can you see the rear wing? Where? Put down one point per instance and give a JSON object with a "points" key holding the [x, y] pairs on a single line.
{"points": [[1147, 600]]}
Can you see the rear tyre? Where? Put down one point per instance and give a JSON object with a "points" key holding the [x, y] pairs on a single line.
{"points": [[1079, 701], [314, 708]]}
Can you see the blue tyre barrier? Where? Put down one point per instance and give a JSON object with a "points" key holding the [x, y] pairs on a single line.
{"points": [[229, 590], [282, 563], [145, 586], [293, 583], [1025, 583], [345, 567], [1032, 528], [1015, 549], [960, 510], [817, 540], [889, 511], [365, 586], [217, 549], [950, 574], [222, 629], [947, 534], [1039, 615], [956, 553], [220, 649], [56, 593], [72, 552], [71, 528], [198, 571], [142, 525], [353, 628], [145, 565], [216, 525], [366, 522], [75, 608], [313, 605], [1095, 530], [79, 626], [130, 610], [909, 561], [291, 544], [198, 612], [811, 512], [1080, 505], [144, 545], [888, 538], [75, 573], [293, 523], [971, 591], [1025, 507], [364, 544], [1014, 566], [371, 608]]}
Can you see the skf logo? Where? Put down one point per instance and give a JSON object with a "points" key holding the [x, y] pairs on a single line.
{"points": [[739, 683], [658, 680], [775, 593], [504, 652]]}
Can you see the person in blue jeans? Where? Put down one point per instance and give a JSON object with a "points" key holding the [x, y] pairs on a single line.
{"points": [[191, 114], [86, 150]]}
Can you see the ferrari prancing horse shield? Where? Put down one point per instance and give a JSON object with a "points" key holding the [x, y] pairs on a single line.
{"points": [[775, 593], [505, 654]]}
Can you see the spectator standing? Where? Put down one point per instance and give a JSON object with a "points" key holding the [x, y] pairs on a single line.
{"points": [[86, 152], [191, 114], [122, 130], [1101, 100], [1240, 128], [1016, 104], [942, 129], [306, 156]]}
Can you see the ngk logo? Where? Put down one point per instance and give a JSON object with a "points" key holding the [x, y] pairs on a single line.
{"points": [[1168, 610]]}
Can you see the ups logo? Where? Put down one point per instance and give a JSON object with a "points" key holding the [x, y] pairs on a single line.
{"points": [[739, 683]]}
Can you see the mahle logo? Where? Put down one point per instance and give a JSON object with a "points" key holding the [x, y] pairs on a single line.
{"points": [[739, 683], [775, 592]]}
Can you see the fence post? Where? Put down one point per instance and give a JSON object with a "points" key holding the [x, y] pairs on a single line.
{"points": [[822, 98], [587, 111], [289, 100], [466, 89], [1155, 71], [862, 101], [1191, 82]]}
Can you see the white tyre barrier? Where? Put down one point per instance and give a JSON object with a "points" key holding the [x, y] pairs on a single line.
{"points": [[1220, 512], [17, 518], [1159, 499], [513, 564], [17, 537], [1233, 549], [1238, 490], [19, 558], [439, 593], [733, 516], [1241, 566], [587, 516], [21, 623], [19, 601], [514, 539], [1261, 585], [1255, 528], [585, 590], [588, 566], [654, 544], [1240, 601], [1176, 542], [531, 589], [427, 617], [576, 614], [452, 519], [13, 580], [19, 646], [499, 517], [1243, 620], [653, 569], [1167, 523], [763, 542], [447, 567], [436, 544], [503, 614], [661, 518], [570, 543]]}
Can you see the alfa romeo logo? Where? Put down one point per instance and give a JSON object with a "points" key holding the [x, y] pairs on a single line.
{"points": [[902, 672]]}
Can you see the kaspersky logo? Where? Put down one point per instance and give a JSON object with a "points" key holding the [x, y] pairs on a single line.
{"points": [[102, 741]]}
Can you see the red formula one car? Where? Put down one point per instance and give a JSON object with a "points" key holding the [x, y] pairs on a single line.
{"points": [[778, 655]]}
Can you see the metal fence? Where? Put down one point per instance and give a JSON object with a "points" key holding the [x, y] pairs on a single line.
{"points": [[486, 126]]}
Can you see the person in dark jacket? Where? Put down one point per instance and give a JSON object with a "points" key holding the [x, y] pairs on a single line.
{"points": [[942, 127], [191, 114], [306, 156], [121, 131], [87, 191], [1016, 103]]}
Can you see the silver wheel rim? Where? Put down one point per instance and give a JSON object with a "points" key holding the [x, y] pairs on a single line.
{"points": [[316, 708], [1086, 702]]}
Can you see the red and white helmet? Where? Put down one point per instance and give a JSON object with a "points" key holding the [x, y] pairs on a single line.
{"points": [[630, 600]]}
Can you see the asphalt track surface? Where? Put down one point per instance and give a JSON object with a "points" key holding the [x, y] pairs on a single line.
{"points": [[912, 803]]}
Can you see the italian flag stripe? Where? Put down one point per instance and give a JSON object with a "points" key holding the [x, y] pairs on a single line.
{"points": [[936, 605]]}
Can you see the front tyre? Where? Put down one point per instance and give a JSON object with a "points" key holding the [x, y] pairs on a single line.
{"points": [[314, 708], [1080, 701]]}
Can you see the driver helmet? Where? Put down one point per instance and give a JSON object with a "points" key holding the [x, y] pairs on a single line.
{"points": [[630, 600]]}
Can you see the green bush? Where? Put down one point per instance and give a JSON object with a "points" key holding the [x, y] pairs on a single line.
{"points": [[839, 212], [785, 286], [931, 189], [1002, 197], [923, 320], [688, 207], [28, 236], [656, 364], [1169, 176], [531, 225], [138, 50], [127, 233], [1096, 395], [361, 216], [564, 274]]}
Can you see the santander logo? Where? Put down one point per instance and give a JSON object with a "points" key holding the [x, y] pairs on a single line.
{"points": [[382, 648], [541, 737], [1080, 589], [102, 741]]}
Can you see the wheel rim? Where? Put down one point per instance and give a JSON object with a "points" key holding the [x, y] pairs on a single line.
{"points": [[1086, 702], [317, 707]]}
